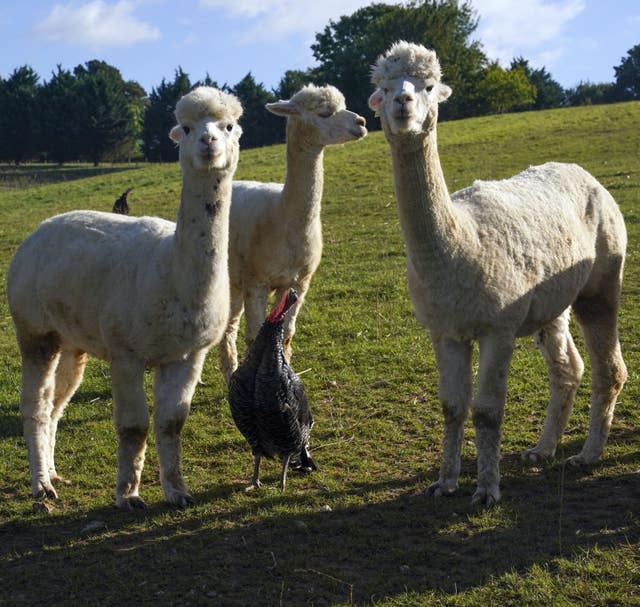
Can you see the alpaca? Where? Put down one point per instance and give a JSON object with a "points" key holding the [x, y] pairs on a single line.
{"points": [[137, 293], [496, 261], [275, 232]]}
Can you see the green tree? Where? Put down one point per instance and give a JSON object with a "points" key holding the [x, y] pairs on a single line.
{"points": [[159, 118], [347, 48], [105, 118], [504, 90], [19, 140], [59, 107], [589, 93], [549, 93], [259, 126], [293, 81], [627, 84]]}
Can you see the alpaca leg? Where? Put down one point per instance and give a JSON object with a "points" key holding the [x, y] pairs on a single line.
{"points": [[565, 372], [173, 389], [68, 377], [255, 303], [39, 359], [301, 286], [255, 479], [488, 411], [283, 475], [454, 365], [598, 319], [131, 416], [229, 343]]}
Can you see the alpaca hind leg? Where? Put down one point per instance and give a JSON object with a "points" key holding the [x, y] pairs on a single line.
{"points": [[67, 379], [488, 410], [454, 365], [565, 372], [131, 417], [39, 359], [229, 343], [173, 388], [598, 319], [255, 479]]}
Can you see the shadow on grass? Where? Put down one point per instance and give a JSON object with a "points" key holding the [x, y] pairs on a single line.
{"points": [[36, 175], [222, 553]]}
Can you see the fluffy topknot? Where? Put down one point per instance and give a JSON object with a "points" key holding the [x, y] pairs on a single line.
{"points": [[318, 98], [207, 101], [406, 59]]}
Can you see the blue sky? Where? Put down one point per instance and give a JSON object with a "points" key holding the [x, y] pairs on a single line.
{"points": [[576, 40]]}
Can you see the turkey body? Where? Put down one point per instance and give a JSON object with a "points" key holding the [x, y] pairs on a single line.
{"points": [[267, 399]]}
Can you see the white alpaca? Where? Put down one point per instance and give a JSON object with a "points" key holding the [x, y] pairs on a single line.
{"points": [[136, 292], [275, 234], [496, 261]]}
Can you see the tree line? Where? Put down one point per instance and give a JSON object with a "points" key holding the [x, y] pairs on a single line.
{"points": [[92, 114]]}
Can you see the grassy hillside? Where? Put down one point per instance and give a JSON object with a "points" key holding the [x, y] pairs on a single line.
{"points": [[559, 537]]}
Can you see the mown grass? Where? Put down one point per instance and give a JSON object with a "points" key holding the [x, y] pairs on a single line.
{"points": [[559, 537]]}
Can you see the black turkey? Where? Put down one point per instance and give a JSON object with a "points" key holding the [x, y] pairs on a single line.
{"points": [[121, 205], [267, 399]]}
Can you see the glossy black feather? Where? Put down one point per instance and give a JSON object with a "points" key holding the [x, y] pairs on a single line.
{"points": [[268, 401]]}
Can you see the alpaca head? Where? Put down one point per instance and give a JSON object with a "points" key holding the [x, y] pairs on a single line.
{"points": [[207, 132], [408, 90], [320, 112]]}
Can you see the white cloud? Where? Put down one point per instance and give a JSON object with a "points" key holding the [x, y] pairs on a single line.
{"points": [[277, 18], [96, 24], [532, 28]]}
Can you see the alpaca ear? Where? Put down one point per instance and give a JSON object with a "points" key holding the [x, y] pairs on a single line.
{"points": [[444, 92], [283, 108], [175, 134], [375, 101]]}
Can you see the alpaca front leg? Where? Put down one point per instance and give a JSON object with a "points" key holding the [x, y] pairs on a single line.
{"points": [[454, 366], [301, 287], [255, 303], [565, 368], [229, 343], [173, 388], [488, 410], [131, 417], [36, 405]]}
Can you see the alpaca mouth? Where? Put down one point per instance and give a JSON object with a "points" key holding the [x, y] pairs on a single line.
{"points": [[360, 132]]}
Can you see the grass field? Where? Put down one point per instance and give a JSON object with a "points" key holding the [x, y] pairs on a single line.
{"points": [[560, 536]]}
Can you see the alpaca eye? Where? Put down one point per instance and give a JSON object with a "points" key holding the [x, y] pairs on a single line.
{"points": [[186, 130], [385, 91], [325, 114], [229, 127], [429, 88]]}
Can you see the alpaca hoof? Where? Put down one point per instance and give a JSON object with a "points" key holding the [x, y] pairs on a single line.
{"points": [[536, 456], [133, 502], [55, 477], [486, 496], [181, 499], [442, 488], [44, 491], [582, 459]]}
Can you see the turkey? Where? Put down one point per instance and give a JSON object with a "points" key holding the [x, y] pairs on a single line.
{"points": [[121, 205], [267, 399]]}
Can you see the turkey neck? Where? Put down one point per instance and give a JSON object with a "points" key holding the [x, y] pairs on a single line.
{"points": [[200, 245], [304, 181], [433, 230]]}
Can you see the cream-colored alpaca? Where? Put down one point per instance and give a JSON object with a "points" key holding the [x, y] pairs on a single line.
{"points": [[496, 261], [275, 234], [136, 292]]}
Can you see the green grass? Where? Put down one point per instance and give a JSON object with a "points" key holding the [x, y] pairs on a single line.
{"points": [[559, 537]]}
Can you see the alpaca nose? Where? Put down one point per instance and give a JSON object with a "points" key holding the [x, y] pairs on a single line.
{"points": [[209, 136], [406, 94], [361, 121]]}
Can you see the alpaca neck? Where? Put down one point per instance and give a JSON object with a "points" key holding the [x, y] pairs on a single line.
{"points": [[431, 227], [302, 191], [200, 246]]}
